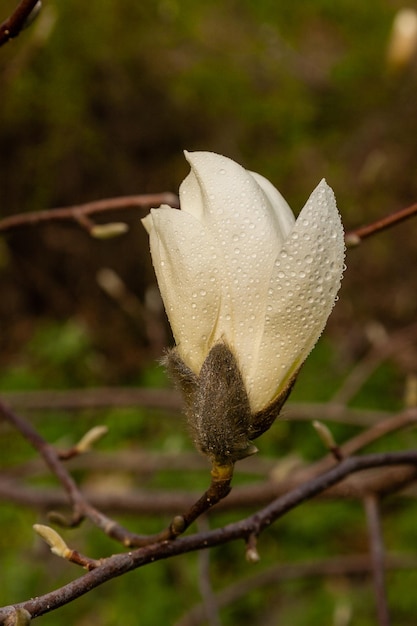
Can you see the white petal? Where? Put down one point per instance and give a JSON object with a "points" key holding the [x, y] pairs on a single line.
{"points": [[279, 206], [188, 275], [237, 212], [229, 198], [301, 294]]}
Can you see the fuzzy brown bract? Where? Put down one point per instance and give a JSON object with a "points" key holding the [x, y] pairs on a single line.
{"points": [[217, 406]]}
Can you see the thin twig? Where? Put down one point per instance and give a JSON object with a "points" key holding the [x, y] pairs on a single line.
{"points": [[80, 211], [143, 502], [377, 556], [81, 507], [13, 25], [351, 565], [140, 462], [206, 590], [167, 502], [363, 439], [219, 488], [106, 397], [363, 370], [99, 398], [355, 236]]}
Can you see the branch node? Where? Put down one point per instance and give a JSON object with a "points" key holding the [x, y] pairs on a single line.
{"points": [[61, 520]]}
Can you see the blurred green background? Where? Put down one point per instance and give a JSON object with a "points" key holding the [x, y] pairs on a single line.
{"points": [[98, 100]]}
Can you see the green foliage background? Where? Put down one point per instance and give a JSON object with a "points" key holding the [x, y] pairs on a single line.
{"points": [[98, 99]]}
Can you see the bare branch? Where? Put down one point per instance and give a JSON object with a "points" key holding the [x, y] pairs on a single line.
{"points": [[13, 25], [79, 213], [102, 397], [377, 556], [342, 566], [354, 237], [81, 507], [122, 563], [204, 582], [362, 371], [105, 397], [381, 481]]}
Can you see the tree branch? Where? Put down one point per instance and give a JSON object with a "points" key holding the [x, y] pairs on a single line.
{"points": [[253, 525], [354, 237], [340, 566], [80, 212], [12, 26], [377, 557]]}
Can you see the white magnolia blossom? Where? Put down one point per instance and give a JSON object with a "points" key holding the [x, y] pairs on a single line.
{"points": [[234, 266]]}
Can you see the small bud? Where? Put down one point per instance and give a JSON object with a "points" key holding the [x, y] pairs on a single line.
{"points": [[410, 399], [178, 525], [324, 434], [53, 539], [19, 617], [327, 438], [252, 555], [111, 283], [402, 45], [352, 241], [108, 231], [90, 438]]}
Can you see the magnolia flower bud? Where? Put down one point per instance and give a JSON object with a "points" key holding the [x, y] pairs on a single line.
{"points": [[247, 290], [402, 44]]}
